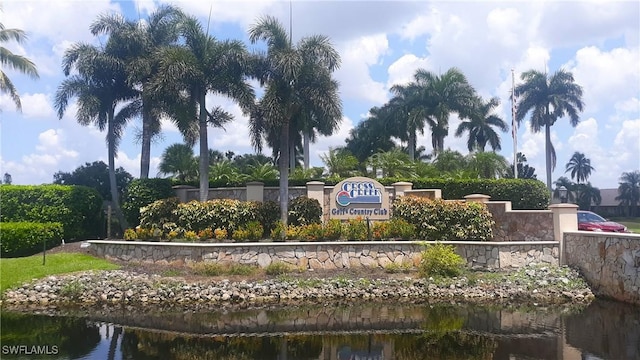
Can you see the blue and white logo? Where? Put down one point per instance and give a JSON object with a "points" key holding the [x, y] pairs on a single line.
{"points": [[358, 192]]}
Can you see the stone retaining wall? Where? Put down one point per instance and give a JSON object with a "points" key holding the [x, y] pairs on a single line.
{"points": [[610, 262], [327, 255]]}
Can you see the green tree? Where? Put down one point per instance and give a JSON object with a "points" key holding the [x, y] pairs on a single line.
{"points": [[393, 163], [548, 98], [339, 163], [406, 112], [629, 191], [140, 43], [450, 161], [6, 179], [99, 82], [13, 61], [524, 170], [95, 175], [489, 165], [443, 95], [297, 81], [580, 167], [569, 185], [202, 66], [586, 195], [480, 126], [226, 173], [370, 136], [178, 161]]}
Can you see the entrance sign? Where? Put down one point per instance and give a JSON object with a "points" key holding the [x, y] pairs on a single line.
{"points": [[359, 197]]}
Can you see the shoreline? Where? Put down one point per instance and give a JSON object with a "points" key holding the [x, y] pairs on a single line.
{"points": [[533, 285]]}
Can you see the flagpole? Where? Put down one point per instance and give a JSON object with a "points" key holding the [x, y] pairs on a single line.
{"points": [[514, 125]]}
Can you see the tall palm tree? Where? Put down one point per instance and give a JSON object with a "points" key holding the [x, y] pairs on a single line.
{"points": [[141, 43], [587, 195], [100, 85], [202, 66], [370, 136], [12, 61], [548, 98], [629, 191], [178, 161], [297, 81], [580, 167], [406, 113], [480, 126], [443, 95]]}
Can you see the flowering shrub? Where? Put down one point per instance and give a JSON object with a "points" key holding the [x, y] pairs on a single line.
{"points": [[205, 234], [220, 234]]}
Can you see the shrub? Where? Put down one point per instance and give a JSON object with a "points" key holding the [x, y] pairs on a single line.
{"points": [[205, 234], [220, 234], [278, 268], [401, 229], [440, 260], [393, 268], [241, 269], [441, 220], [240, 235], [27, 238], [130, 234], [356, 229], [278, 232], [254, 230], [142, 192], [159, 212], [77, 208], [332, 229], [311, 232], [190, 235], [293, 232], [380, 230], [268, 214], [208, 269], [304, 211]]}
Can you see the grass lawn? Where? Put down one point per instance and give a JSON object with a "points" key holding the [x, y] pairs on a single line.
{"points": [[633, 224], [15, 271]]}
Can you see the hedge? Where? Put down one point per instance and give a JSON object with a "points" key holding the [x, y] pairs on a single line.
{"points": [[27, 238], [142, 192], [77, 208]]}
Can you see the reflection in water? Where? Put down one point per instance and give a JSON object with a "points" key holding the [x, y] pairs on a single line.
{"points": [[604, 330]]}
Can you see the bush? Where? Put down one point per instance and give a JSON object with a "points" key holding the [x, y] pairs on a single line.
{"points": [[440, 260], [440, 220], [332, 229], [311, 232], [278, 268], [268, 214], [304, 211], [77, 208], [355, 229], [159, 212], [142, 192], [27, 238]]}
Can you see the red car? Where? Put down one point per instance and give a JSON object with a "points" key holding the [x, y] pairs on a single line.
{"points": [[589, 221]]}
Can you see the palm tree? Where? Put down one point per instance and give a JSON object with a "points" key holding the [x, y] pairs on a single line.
{"points": [[629, 191], [203, 65], [524, 170], [406, 114], [579, 166], [178, 160], [548, 99], [480, 126], [370, 136], [442, 95], [489, 165], [297, 80], [13, 61], [393, 163], [587, 195], [141, 43], [450, 161], [100, 85], [339, 162]]}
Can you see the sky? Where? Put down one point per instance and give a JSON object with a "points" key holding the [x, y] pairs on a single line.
{"points": [[381, 43]]}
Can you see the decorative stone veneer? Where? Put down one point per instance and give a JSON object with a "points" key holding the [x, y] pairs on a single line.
{"points": [[520, 225], [609, 261], [326, 255]]}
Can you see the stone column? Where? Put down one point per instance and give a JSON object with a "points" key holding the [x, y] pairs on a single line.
{"points": [[255, 191], [400, 187], [565, 218], [315, 190], [481, 198]]}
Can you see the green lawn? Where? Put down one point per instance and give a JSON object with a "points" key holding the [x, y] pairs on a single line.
{"points": [[15, 271], [633, 224]]}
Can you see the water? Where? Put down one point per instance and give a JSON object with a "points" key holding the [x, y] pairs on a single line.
{"points": [[383, 331]]}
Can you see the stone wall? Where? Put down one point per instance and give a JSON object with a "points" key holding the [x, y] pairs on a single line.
{"points": [[609, 261], [326, 255], [520, 225]]}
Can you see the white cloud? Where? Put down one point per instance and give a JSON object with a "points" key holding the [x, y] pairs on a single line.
{"points": [[504, 26], [324, 143], [402, 70]]}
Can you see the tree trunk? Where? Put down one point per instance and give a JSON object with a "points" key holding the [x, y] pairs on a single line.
{"points": [[283, 164], [306, 139], [412, 145], [547, 150], [204, 149], [292, 156], [111, 153], [145, 156]]}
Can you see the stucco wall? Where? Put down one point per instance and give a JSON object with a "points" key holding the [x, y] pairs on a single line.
{"points": [[610, 262], [326, 255]]}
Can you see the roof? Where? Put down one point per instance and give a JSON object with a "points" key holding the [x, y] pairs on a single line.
{"points": [[609, 197]]}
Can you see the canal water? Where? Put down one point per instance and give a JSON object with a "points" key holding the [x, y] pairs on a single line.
{"points": [[356, 331]]}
